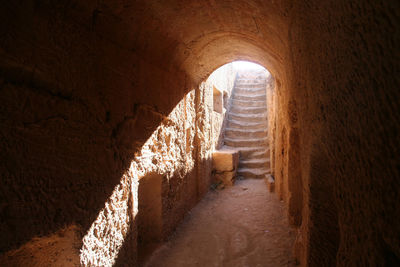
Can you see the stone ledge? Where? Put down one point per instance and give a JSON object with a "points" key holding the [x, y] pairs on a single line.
{"points": [[225, 163]]}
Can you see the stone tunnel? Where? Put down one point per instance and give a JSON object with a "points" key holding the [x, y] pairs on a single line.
{"points": [[105, 104]]}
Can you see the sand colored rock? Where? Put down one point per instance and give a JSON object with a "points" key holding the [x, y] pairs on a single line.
{"points": [[59, 249], [225, 163], [218, 102], [225, 160], [227, 178]]}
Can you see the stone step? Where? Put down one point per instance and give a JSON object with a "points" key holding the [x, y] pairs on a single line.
{"points": [[249, 81], [255, 155], [253, 93], [250, 110], [248, 133], [252, 79], [252, 152], [250, 97], [255, 163], [247, 126], [246, 142], [250, 85], [262, 124], [249, 90], [248, 117], [247, 103], [253, 172]]}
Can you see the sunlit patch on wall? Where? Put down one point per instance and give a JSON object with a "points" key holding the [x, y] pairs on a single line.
{"points": [[162, 154]]}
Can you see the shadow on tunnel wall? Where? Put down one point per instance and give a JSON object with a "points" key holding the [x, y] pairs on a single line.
{"points": [[58, 168], [73, 115], [86, 186]]}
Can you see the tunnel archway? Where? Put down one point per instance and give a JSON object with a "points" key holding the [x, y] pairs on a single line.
{"points": [[289, 181]]}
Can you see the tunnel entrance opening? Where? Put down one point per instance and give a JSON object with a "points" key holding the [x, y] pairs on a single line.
{"points": [[149, 217], [245, 126], [247, 66]]}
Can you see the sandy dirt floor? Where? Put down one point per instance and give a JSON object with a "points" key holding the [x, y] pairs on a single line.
{"points": [[243, 225]]}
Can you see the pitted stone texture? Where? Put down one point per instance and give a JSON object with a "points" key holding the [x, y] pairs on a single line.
{"points": [[222, 79]]}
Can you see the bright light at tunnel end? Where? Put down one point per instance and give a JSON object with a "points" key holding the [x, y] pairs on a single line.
{"points": [[246, 65]]}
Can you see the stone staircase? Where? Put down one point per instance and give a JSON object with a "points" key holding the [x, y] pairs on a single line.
{"points": [[246, 129]]}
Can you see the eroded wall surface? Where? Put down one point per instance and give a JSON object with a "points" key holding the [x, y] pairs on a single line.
{"points": [[83, 118], [223, 79], [347, 101], [334, 133]]}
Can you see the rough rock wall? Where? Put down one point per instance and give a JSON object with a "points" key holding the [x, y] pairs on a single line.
{"points": [[286, 160], [58, 249], [223, 79], [271, 93], [83, 118], [170, 153], [279, 123], [345, 93], [334, 132]]}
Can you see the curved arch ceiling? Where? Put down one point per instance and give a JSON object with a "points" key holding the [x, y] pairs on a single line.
{"points": [[203, 59], [196, 37]]}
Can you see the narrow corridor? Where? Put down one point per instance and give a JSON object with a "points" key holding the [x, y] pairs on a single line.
{"points": [[115, 115], [243, 225]]}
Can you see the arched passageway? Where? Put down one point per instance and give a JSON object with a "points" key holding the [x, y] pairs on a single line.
{"points": [[239, 222], [89, 87]]}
